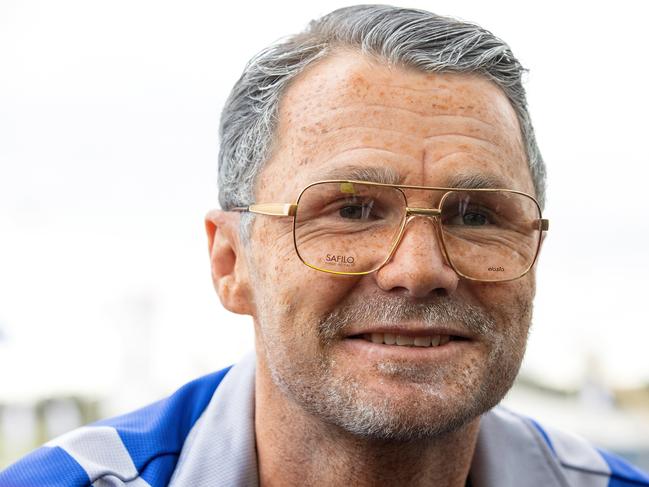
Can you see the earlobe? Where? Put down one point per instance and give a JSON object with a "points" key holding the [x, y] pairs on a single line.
{"points": [[227, 262]]}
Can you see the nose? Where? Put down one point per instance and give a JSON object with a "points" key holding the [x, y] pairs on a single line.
{"points": [[418, 266]]}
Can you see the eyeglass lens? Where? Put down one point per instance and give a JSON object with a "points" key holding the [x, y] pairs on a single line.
{"points": [[352, 228]]}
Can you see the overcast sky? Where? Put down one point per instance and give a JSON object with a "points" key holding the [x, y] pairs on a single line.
{"points": [[108, 151]]}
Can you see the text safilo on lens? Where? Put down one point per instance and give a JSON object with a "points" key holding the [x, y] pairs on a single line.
{"points": [[339, 259]]}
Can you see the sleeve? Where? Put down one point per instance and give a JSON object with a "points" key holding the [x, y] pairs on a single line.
{"points": [[586, 465], [139, 449], [46, 467]]}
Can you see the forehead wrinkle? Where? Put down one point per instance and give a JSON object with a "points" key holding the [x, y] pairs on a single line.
{"points": [[465, 100], [395, 86], [420, 158], [429, 125], [439, 146], [462, 136], [369, 148], [402, 133], [335, 110], [483, 108], [405, 133]]}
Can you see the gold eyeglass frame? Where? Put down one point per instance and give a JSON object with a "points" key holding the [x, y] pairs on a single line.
{"points": [[290, 209]]}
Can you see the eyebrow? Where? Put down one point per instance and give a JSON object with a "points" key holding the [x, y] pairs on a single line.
{"points": [[476, 181], [388, 175], [377, 174]]}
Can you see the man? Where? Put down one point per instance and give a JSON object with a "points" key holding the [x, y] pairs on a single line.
{"points": [[391, 313]]}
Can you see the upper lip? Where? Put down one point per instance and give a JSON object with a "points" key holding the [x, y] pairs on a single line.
{"points": [[412, 331]]}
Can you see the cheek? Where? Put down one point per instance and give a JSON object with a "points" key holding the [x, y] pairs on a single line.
{"points": [[293, 295], [313, 294], [272, 255], [510, 303]]}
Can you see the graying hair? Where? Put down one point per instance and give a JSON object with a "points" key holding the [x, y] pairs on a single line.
{"points": [[399, 36]]}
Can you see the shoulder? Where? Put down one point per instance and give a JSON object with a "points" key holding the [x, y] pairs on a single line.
{"points": [[141, 447], [582, 463]]}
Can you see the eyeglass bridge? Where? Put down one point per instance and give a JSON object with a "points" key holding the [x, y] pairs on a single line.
{"points": [[423, 211]]}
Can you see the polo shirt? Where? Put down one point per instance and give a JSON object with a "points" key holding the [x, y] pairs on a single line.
{"points": [[203, 435]]}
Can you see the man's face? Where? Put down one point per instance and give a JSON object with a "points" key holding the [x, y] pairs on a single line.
{"points": [[345, 112]]}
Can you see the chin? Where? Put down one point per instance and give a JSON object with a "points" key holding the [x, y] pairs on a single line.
{"points": [[404, 421], [406, 413]]}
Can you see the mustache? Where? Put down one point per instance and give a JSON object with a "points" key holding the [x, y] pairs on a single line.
{"points": [[394, 310]]}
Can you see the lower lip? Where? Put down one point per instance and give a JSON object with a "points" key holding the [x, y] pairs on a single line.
{"points": [[369, 349]]}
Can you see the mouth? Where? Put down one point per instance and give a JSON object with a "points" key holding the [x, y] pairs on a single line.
{"points": [[409, 340], [441, 346]]}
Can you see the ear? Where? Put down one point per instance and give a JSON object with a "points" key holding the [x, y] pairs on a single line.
{"points": [[227, 261]]}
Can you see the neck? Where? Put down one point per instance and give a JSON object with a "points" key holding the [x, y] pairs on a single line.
{"points": [[296, 448]]}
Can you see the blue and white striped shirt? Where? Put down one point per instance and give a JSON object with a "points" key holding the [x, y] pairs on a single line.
{"points": [[203, 435]]}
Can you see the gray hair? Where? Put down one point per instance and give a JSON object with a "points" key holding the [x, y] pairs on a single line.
{"points": [[400, 36]]}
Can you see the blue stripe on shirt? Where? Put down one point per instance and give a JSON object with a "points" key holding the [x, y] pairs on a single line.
{"points": [[544, 434], [45, 467], [161, 428], [623, 474], [159, 470]]}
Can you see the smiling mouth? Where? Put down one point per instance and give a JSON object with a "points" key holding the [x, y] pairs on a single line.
{"points": [[408, 341]]}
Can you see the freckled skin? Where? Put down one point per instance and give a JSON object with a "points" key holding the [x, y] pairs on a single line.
{"points": [[349, 110]]}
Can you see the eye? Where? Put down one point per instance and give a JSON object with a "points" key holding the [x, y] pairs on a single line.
{"points": [[354, 212], [474, 219], [469, 217], [358, 211]]}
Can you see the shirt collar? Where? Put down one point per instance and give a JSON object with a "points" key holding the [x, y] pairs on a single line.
{"points": [[220, 449]]}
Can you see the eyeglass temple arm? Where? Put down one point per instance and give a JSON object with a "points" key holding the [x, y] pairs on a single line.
{"points": [[539, 224], [272, 209]]}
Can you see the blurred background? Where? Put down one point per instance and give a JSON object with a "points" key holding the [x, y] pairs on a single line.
{"points": [[108, 152]]}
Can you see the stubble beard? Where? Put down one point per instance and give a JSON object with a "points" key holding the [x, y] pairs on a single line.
{"points": [[438, 400]]}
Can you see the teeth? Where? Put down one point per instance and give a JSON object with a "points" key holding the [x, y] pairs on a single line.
{"points": [[407, 341]]}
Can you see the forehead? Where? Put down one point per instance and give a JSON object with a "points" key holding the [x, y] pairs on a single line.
{"points": [[348, 112]]}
